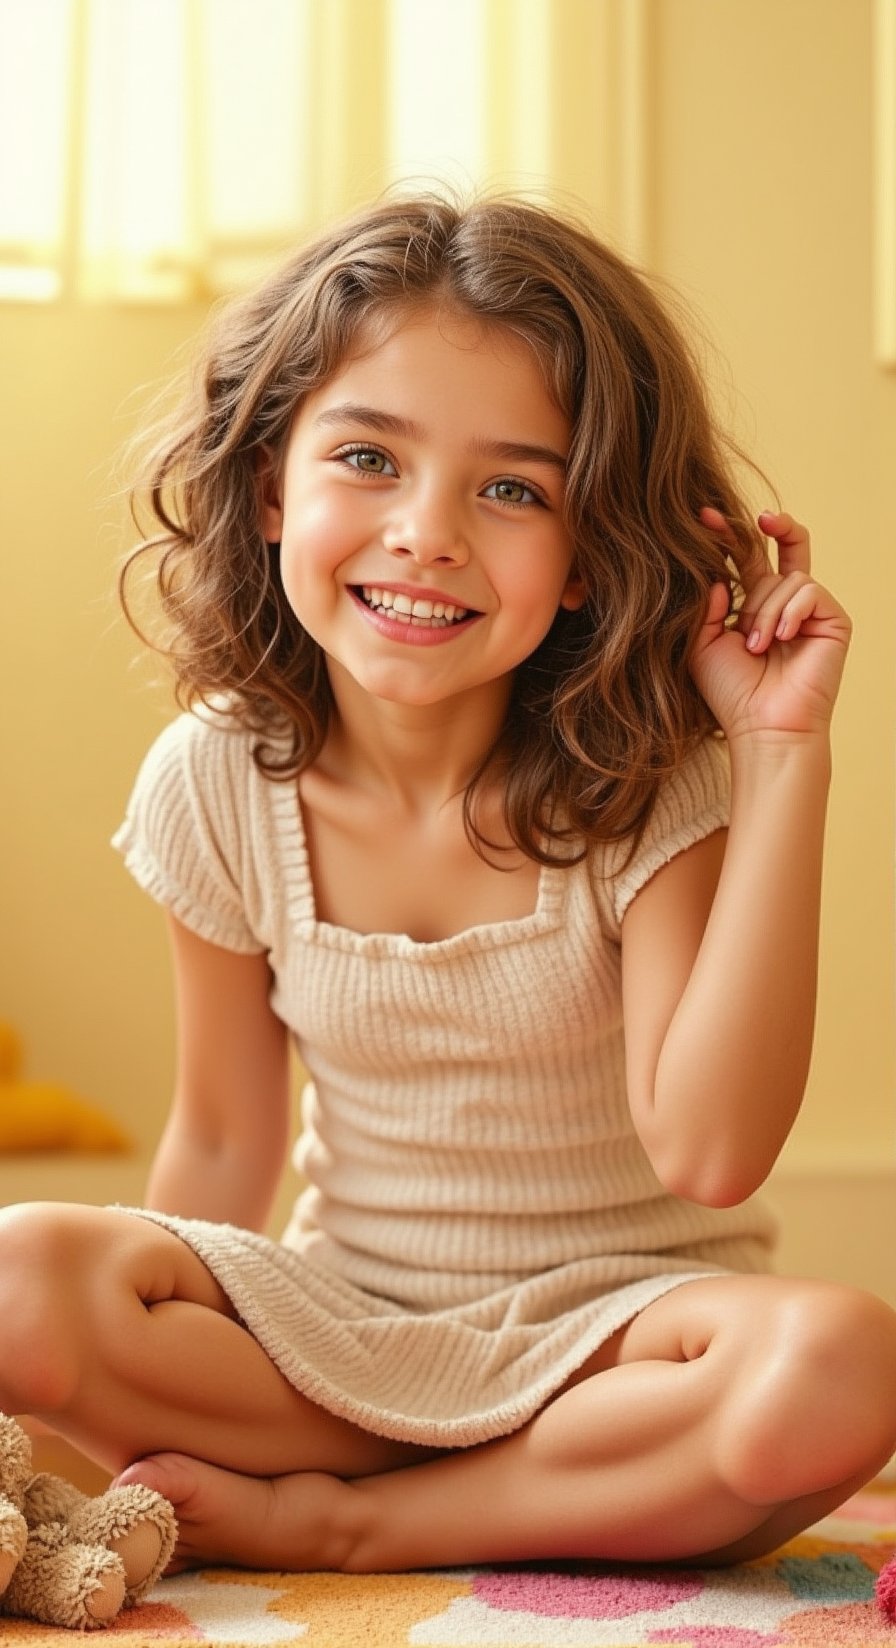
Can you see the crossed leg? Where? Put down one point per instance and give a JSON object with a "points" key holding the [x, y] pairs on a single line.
{"points": [[727, 1415], [117, 1335]]}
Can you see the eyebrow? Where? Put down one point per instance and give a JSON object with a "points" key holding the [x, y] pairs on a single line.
{"points": [[388, 424]]}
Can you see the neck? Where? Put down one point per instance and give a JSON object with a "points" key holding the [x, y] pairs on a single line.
{"points": [[419, 757]]}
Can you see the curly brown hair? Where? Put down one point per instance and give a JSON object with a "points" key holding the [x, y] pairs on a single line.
{"points": [[605, 708]]}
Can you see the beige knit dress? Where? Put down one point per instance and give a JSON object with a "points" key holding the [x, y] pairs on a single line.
{"points": [[480, 1214]]}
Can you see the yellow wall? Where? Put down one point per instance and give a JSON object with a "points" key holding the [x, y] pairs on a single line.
{"points": [[751, 190], [763, 195], [82, 963]]}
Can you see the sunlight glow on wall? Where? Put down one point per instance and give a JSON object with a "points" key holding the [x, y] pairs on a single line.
{"points": [[196, 142], [35, 50], [438, 71], [137, 228], [155, 149], [159, 150]]}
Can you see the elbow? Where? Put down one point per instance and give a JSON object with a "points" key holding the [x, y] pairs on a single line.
{"points": [[700, 1155], [712, 1191], [710, 1181]]}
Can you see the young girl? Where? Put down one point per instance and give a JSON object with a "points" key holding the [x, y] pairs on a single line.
{"points": [[469, 621]]}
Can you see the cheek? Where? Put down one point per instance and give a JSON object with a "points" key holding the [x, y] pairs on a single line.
{"points": [[308, 515], [329, 522], [536, 585], [310, 545]]}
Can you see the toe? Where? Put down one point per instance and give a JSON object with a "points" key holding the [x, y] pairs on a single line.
{"points": [[173, 1475]]}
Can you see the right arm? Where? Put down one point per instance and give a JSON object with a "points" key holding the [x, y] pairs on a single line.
{"points": [[226, 1139], [720, 950]]}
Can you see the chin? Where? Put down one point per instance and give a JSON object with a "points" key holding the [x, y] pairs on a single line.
{"points": [[390, 687], [413, 699]]}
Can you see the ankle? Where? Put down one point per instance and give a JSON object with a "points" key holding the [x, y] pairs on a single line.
{"points": [[339, 1528], [358, 1535]]}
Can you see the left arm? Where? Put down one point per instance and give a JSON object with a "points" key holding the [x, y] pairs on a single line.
{"points": [[719, 949]]}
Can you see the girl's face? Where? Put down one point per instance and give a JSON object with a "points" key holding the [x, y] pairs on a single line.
{"points": [[419, 510]]}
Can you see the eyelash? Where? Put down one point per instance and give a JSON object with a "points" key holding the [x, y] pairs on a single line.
{"points": [[535, 498], [346, 452]]}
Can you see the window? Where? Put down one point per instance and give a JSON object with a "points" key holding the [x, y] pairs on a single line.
{"points": [[157, 150]]}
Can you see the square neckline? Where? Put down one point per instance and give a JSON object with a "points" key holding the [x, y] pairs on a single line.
{"points": [[545, 917]]}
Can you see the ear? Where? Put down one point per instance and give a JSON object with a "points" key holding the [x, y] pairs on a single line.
{"points": [[269, 481], [574, 593]]}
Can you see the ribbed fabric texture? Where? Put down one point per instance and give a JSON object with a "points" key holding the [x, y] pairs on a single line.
{"points": [[480, 1214]]}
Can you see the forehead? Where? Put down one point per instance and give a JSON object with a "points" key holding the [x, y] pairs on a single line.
{"points": [[435, 357]]}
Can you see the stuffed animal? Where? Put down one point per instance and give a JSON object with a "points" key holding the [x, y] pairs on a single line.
{"points": [[67, 1559], [42, 1115]]}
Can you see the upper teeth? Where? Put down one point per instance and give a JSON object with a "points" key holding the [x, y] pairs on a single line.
{"points": [[407, 610]]}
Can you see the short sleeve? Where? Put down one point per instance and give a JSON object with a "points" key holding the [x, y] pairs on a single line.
{"points": [[691, 804], [181, 836]]}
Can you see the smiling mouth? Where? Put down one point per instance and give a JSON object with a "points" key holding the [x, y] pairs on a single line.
{"points": [[418, 612]]}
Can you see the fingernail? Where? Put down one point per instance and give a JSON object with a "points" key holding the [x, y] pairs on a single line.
{"points": [[767, 515], [754, 640], [781, 629]]}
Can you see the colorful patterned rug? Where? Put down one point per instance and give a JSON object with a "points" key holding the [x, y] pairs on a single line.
{"points": [[815, 1592]]}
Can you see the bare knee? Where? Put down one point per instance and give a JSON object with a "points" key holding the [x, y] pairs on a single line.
{"points": [[812, 1402], [41, 1307]]}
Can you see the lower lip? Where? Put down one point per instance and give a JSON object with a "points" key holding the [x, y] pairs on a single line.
{"points": [[413, 635]]}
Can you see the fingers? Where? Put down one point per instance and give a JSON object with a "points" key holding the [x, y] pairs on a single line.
{"points": [[717, 523], [713, 518], [776, 604], [777, 608], [717, 606], [792, 539], [759, 562]]}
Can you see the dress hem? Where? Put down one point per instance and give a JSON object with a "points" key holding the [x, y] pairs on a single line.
{"points": [[483, 1424]]}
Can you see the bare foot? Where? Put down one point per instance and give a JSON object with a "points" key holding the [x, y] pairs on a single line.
{"points": [[224, 1518]]}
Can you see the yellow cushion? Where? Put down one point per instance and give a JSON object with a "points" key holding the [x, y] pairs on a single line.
{"points": [[44, 1116], [10, 1053]]}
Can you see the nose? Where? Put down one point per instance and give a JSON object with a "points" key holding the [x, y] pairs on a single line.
{"points": [[427, 528]]}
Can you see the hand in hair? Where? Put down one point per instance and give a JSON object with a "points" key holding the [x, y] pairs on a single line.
{"points": [[777, 669]]}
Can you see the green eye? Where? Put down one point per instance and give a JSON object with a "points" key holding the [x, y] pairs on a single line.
{"points": [[366, 460], [511, 492], [369, 460]]}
